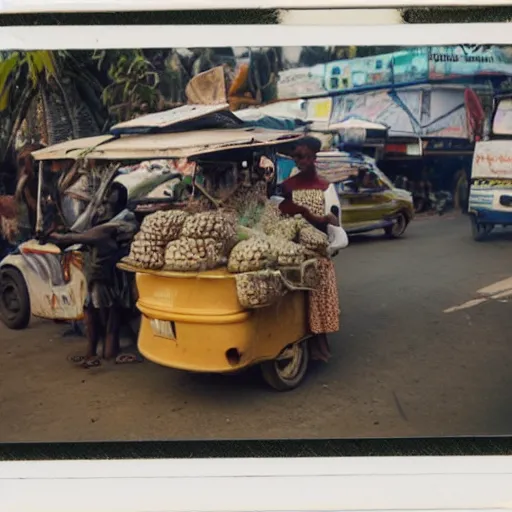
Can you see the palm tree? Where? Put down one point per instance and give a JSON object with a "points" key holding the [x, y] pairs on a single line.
{"points": [[49, 93], [20, 77]]}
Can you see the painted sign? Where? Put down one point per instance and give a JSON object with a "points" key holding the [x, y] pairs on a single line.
{"points": [[405, 67], [430, 112], [301, 82], [465, 60], [377, 71], [489, 196], [377, 107], [492, 159], [318, 109], [481, 198]]}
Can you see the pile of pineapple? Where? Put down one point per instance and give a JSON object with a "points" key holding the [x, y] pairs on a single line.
{"points": [[258, 255]]}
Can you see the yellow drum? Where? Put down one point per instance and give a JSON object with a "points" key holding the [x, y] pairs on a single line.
{"points": [[194, 321]]}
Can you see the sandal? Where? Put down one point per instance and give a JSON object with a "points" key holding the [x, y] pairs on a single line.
{"points": [[85, 362], [128, 359], [91, 363], [76, 359]]}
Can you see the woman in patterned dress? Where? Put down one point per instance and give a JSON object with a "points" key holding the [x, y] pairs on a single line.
{"points": [[324, 310]]}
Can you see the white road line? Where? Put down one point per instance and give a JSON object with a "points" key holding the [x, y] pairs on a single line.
{"points": [[499, 290], [499, 287], [466, 305]]}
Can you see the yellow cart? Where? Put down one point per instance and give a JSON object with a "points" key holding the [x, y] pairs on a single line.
{"points": [[194, 322]]}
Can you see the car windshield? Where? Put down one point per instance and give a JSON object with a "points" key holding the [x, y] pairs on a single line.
{"points": [[502, 122]]}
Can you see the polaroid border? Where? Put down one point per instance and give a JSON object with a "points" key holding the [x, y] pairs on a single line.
{"points": [[359, 484], [75, 37], [411, 483], [32, 6]]}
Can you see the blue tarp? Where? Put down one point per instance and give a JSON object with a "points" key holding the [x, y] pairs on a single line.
{"points": [[253, 118]]}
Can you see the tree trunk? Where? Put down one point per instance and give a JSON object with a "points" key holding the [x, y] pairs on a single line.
{"points": [[72, 119], [85, 124], [17, 118], [59, 126]]}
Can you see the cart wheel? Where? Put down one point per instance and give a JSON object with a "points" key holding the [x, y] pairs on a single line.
{"points": [[289, 369], [479, 231], [398, 228], [14, 299]]}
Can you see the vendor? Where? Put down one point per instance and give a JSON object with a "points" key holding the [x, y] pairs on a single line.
{"points": [[324, 310]]}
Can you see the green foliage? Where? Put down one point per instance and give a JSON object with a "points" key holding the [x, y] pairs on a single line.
{"points": [[133, 82], [8, 68], [28, 67]]}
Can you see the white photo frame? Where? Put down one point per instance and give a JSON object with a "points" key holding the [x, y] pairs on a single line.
{"points": [[270, 485], [59, 37], [214, 485], [39, 6]]}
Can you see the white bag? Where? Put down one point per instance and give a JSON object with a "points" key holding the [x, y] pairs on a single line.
{"points": [[338, 239], [276, 200]]}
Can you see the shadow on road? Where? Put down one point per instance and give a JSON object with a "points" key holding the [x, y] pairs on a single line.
{"points": [[373, 238], [499, 235], [241, 385]]}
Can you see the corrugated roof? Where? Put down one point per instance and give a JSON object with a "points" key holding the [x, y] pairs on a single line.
{"points": [[189, 115], [63, 150], [171, 145]]}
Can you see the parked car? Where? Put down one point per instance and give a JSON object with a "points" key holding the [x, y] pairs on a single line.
{"points": [[369, 200]]}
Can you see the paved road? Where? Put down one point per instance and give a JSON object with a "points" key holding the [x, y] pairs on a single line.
{"points": [[402, 366]]}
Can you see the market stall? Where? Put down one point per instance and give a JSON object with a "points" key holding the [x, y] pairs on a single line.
{"points": [[219, 278], [219, 270]]}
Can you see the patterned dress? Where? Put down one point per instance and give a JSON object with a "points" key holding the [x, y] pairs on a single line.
{"points": [[324, 306]]}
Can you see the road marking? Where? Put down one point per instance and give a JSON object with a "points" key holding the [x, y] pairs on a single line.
{"points": [[499, 287], [496, 291], [466, 305]]}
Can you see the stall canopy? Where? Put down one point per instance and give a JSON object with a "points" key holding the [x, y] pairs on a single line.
{"points": [[167, 145], [64, 150], [181, 132]]}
